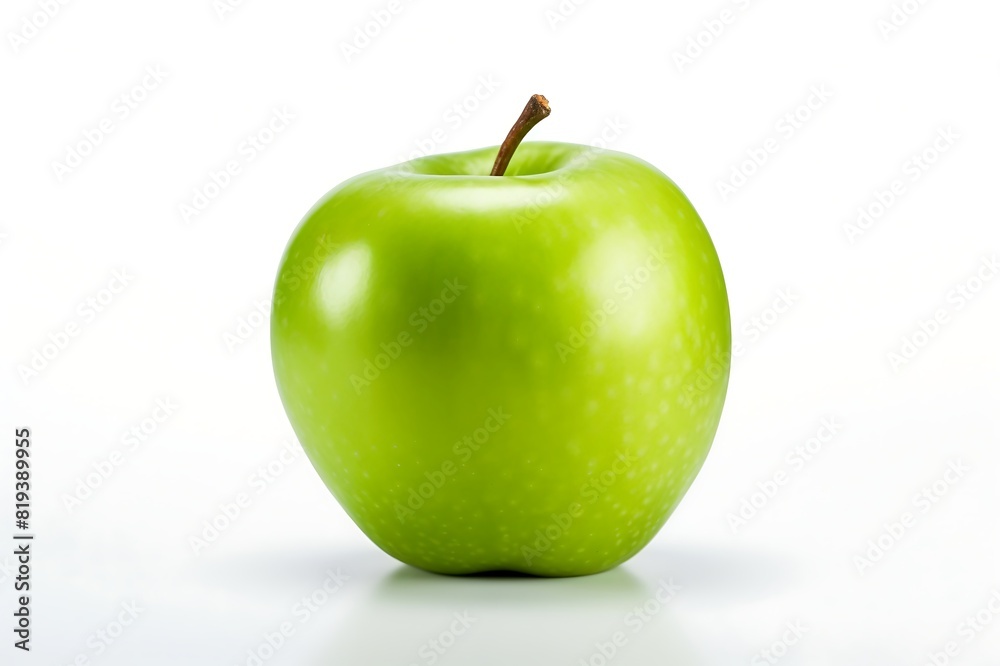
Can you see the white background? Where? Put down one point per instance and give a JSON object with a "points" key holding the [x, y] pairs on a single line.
{"points": [[855, 297]]}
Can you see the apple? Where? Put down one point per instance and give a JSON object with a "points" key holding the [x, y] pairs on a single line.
{"points": [[521, 371]]}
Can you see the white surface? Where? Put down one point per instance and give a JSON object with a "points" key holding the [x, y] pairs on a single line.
{"points": [[826, 356]]}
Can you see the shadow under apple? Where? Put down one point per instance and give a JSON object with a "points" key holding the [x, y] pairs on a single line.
{"points": [[625, 616], [665, 606]]}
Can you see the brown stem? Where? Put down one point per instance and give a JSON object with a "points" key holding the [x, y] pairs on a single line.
{"points": [[536, 110]]}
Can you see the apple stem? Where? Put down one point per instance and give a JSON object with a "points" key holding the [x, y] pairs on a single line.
{"points": [[536, 110]]}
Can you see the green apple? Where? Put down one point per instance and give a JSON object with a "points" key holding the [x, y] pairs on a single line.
{"points": [[517, 372]]}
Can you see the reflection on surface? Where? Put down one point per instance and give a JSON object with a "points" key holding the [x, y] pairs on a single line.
{"points": [[413, 617], [683, 606]]}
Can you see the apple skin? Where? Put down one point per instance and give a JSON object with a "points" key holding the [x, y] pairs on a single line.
{"points": [[520, 372]]}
